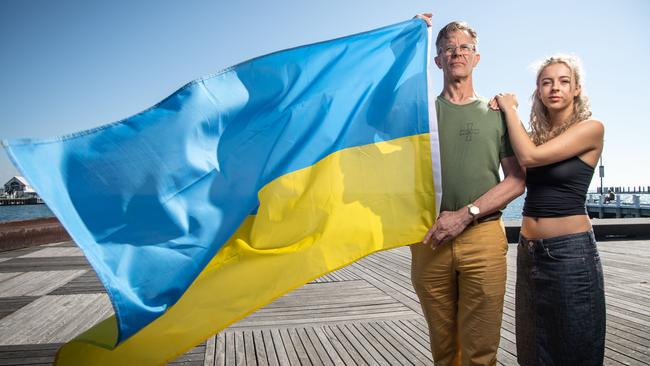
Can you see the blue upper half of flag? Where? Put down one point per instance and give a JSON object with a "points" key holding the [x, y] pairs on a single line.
{"points": [[152, 198]]}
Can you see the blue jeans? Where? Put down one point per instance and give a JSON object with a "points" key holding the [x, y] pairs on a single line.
{"points": [[560, 301]]}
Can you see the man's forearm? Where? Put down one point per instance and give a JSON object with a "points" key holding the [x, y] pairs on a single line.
{"points": [[511, 187], [451, 223], [500, 195]]}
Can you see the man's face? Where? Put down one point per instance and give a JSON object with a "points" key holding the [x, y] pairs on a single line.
{"points": [[457, 56]]}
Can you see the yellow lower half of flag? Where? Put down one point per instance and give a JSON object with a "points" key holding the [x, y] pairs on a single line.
{"points": [[350, 204]]}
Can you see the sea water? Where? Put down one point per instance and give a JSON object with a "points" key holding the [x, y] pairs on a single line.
{"points": [[26, 212]]}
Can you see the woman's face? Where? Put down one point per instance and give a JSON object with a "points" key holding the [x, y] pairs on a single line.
{"points": [[557, 87]]}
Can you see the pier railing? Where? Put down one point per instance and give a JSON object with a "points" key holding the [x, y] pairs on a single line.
{"points": [[598, 207], [20, 201], [625, 190]]}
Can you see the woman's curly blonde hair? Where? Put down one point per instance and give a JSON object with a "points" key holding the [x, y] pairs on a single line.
{"points": [[540, 125]]}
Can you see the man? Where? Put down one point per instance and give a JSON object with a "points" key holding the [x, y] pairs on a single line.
{"points": [[459, 270]]}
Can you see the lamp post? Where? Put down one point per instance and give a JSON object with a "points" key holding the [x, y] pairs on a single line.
{"points": [[601, 173]]}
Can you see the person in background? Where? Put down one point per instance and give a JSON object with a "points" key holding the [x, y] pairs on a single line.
{"points": [[560, 301]]}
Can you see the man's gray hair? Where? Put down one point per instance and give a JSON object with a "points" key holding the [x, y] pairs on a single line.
{"points": [[454, 26]]}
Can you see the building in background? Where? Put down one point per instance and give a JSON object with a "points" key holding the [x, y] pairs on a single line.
{"points": [[18, 187]]}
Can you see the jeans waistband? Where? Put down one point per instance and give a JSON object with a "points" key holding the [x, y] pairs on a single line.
{"points": [[585, 234], [559, 240]]}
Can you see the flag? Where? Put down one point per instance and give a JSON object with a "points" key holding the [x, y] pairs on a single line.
{"points": [[242, 186]]}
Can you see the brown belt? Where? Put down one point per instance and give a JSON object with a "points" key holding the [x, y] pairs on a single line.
{"points": [[491, 217]]}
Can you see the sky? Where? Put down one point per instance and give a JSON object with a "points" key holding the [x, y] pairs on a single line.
{"points": [[71, 65]]}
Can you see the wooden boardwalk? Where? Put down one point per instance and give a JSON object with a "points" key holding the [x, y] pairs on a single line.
{"points": [[363, 314]]}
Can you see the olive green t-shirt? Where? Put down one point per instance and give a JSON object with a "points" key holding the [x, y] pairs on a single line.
{"points": [[473, 140]]}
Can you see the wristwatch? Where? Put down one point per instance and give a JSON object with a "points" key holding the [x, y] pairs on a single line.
{"points": [[474, 211]]}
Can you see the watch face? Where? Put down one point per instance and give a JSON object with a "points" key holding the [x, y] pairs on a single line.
{"points": [[473, 210]]}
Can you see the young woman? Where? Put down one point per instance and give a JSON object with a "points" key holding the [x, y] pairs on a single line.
{"points": [[560, 302]]}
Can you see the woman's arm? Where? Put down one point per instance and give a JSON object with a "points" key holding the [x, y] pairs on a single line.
{"points": [[580, 138]]}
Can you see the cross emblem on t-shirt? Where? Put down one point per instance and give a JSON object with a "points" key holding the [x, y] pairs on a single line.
{"points": [[469, 131]]}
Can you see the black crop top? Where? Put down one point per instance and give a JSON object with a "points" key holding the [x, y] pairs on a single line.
{"points": [[558, 189]]}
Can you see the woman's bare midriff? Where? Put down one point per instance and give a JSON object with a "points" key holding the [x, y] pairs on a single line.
{"points": [[548, 227]]}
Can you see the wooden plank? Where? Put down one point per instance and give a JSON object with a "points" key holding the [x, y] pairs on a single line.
{"points": [[418, 336], [195, 356], [339, 300], [333, 347], [230, 354], [360, 345], [309, 348], [420, 324], [261, 355], [272, 356], [54, 319], [299, 347], [61, 244], [54, 252], [315, 304], [36, 283], [627, 294], [384, 285], [315, 321], [637, 352], [505, 358], [9, 305], [325, 351], [30, 354], [88, 283], [508, 346], [18, 252], [245, 348], [287, 314], [219, 350], [620, 357], [210, 351], [629, 310], [390, 353], [621, 331], [611, 362], [278, 346], [294, 360], [640, 324], [340, 275], [44, 264], [358, 335], [400, 279], [344, 348], [402, 343]]}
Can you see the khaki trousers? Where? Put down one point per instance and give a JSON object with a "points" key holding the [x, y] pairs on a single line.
{"points": [[461, 287]]}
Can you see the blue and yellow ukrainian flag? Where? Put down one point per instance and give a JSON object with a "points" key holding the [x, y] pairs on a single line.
{"points": [[242, 186]]}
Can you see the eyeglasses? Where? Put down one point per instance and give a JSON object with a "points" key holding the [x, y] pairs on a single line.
{"points": [[463, 49]]}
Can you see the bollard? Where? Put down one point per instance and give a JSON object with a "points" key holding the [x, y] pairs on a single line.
{"points": [[601, 209], [636, 203]]}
